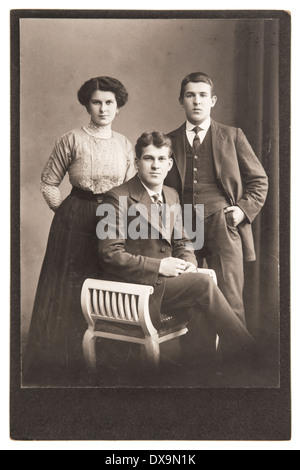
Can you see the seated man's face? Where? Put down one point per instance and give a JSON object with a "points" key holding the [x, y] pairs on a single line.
{"points": [[154, 165]]}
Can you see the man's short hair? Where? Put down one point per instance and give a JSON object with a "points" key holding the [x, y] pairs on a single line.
{"points": [[158, 139], [196, 77]]}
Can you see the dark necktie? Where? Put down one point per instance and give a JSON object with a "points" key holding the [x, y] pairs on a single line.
{"points": [[157, 200], [196, 141]]}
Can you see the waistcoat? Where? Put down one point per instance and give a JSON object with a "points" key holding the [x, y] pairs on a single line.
{"points": [[201, 186]]}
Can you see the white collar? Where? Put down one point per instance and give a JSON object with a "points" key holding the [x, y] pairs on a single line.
{"points": [[152, 193], [93, 129], [204, 125]]}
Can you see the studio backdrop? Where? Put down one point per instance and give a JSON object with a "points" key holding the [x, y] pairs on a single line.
{"points": [[151, 57]]}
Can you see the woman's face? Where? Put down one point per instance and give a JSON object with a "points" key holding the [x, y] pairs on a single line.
{"points": [[103, 107]]}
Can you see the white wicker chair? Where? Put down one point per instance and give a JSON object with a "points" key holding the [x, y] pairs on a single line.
{"points": [[120, 311]]}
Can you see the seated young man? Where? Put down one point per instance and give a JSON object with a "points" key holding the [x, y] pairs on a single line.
{"points": [[158, 257]]}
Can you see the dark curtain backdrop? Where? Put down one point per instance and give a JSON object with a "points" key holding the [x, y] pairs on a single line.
{"points": [[257, 46]]}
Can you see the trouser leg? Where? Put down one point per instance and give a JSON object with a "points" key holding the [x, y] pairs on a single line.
{"points": [[224, 254], [199, 292], [198, 346]]}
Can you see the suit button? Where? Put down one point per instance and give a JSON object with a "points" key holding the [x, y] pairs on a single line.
{"points": [[196, 157], [158, 282], [195, 182], [163, 250]]}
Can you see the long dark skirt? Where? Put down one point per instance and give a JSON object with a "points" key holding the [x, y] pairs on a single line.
{"points": [[54, 349]]}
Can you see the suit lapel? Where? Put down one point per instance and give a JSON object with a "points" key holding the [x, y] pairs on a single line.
{"points": [[145, 207], [178, 140], [139, 194], [136, 189], [169, 201], [217, 138]]}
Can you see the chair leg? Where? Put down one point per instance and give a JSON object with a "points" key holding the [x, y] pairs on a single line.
{"points": [[89, 350], [152, 350]]}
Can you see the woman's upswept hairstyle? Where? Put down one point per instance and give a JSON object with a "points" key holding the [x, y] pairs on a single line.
{"points": [[104, 84], [196, 77], [158, 139]]}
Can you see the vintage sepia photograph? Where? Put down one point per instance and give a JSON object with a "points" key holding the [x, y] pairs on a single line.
{"points": [[149, 159]]}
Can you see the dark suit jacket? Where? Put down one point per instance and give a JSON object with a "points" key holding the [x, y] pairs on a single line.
{"points": [[238, 171], [138, 261]]}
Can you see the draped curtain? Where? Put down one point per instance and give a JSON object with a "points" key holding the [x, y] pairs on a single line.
{"points": [[257, 85]]}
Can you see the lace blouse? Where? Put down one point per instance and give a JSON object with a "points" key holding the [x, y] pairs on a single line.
{"points": [[94, 163]]}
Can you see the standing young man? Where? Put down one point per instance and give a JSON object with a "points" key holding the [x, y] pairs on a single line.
{"points": [[215, 165]]}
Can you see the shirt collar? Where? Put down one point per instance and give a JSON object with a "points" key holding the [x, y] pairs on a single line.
{"points": [[152, 193], [204, 125]]}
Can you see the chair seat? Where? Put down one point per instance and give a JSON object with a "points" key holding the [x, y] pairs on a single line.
{"points": [[168, 324]]}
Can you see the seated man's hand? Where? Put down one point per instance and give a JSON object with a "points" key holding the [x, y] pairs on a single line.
{"points": [[237, 214], [172, 267], [190, 268]]}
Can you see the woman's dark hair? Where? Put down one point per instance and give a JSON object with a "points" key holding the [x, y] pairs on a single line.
{"points": [[104, 84], [158, 139], [196, 77]]}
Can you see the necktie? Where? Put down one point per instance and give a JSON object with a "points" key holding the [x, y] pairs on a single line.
{"points": [[196, 141], [157, 200]]}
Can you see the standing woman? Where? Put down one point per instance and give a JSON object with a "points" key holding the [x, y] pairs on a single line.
{"points": [[96, 159]]}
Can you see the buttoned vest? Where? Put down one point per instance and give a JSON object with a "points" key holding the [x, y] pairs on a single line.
{"points": [[201, 186]]}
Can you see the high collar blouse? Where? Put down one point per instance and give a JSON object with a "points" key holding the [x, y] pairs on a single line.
{"points": [[93, 163]]}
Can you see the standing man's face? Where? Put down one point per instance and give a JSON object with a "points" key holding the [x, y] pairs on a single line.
{"points": [[198, 102]]}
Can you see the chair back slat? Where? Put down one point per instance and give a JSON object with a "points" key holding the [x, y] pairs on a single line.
{"points": [[102, 304], [121, 306], [114, 305], [128, 315], [108, 304], [134, 309], [95, 301]]}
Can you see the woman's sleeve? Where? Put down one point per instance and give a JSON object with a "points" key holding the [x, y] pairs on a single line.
{"points": [[54, 172], [131, 170]]}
